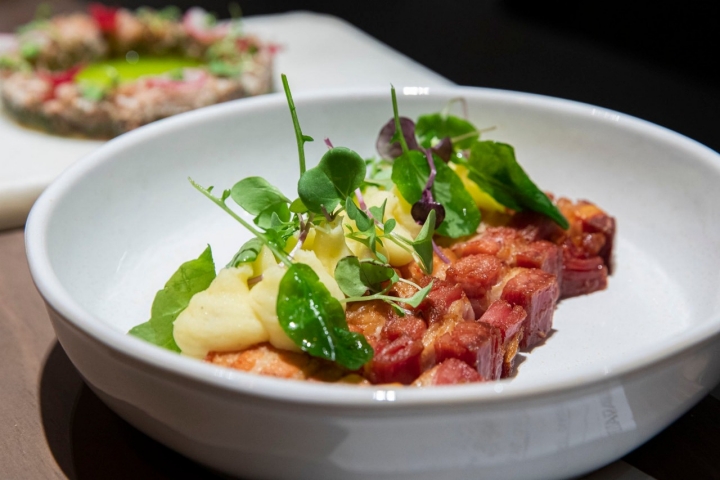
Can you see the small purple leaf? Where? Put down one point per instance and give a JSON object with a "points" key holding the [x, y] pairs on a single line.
{"points": [[421, 209], [444, 149], [390, 150]]}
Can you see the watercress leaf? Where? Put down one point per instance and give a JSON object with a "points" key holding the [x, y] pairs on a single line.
{"points": [[248, 252], [462, 216], [345, 169], [355, 278], [423, 243], [315, 320], [316, 190], [192, 277], [255, 194], [272, 216], [436, 127], [410, 174], [418, 297], [390, 226], [348, 277], [362, 221], [374, 274], [297, 206], [493, 167]]}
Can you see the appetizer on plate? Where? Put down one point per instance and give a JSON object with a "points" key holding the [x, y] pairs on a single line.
{"points": [[112, 70], [434, 263]]}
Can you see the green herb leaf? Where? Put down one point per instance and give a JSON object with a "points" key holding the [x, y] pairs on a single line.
{"points": [[192, 277], [315, 320], [297, 206], [248, 252], [255, 194], [436, 127], [493, 167], [355, 278], [410, 174], [362, 221], [316, 190], [345, 169], [423, 243]]}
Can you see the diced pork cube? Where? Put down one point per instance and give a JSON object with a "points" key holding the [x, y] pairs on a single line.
{"points": [[537, 292], [451, 372], [509, 320], [474, 343]]}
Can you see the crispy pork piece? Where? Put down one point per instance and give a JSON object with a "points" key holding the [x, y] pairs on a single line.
{"points": [[513, 249], [451, 372], [587, 246], [477, 274], [264, 359], [582, 276], [439, 299], [397, 357], [536, 292], [458, 311], [475, 343], [509, 320]]}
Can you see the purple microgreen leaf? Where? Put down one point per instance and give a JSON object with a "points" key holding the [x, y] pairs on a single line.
{"points": [[444, 149], [421, 210], [388, 145], [328, 143]]}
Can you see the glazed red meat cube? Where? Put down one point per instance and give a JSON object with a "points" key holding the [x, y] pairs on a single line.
{"points": [[508, 320], [474, 343], [476, 274], [451, 372], [441, 296], [537, 292], [541, 254], [396, 361], [583, 275]]}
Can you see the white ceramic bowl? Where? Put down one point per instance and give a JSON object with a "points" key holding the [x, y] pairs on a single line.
{"points": [[621, 364]]}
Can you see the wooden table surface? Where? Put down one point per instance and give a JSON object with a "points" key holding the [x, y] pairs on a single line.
{"points": [[53, 426]]}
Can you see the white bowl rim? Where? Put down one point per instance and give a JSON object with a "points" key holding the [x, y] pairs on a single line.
{"points": [[312, 393]]}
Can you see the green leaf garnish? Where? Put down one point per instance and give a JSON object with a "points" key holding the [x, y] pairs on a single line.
{"points": [[255, 195], [336, 177], [192, 277], [423, 243], [315, 320], [355, 278], [493, 167], [433, 127], [248, 253], [410, 174]]}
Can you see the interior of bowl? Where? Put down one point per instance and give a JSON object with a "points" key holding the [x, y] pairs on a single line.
{"points": [[121, 221]]}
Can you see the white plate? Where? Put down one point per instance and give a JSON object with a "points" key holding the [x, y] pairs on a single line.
{"points": [[621, 365], [318, 51]]}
